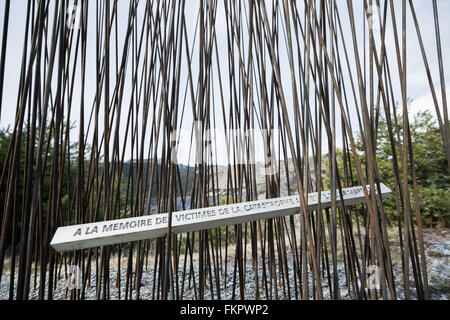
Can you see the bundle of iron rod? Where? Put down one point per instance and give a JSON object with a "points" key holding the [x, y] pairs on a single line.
{"points": [[112, 95]]}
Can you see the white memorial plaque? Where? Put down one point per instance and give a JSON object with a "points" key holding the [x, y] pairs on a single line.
{"points": [[140, 228]]}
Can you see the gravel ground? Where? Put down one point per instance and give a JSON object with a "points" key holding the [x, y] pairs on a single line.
{"points": [[438, 264]]}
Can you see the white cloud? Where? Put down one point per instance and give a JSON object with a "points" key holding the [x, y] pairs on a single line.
{"points": [[425, 102]]}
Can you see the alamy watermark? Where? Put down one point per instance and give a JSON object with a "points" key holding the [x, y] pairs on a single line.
{"points": [[73, 21], [373, 279], [373, 17], [74, 278]]}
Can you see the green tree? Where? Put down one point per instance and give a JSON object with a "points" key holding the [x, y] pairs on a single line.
{"points": [[433, 178], [68, 178]]}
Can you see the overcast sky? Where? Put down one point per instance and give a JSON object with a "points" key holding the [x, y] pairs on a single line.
{"points": [[418, 87]]}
